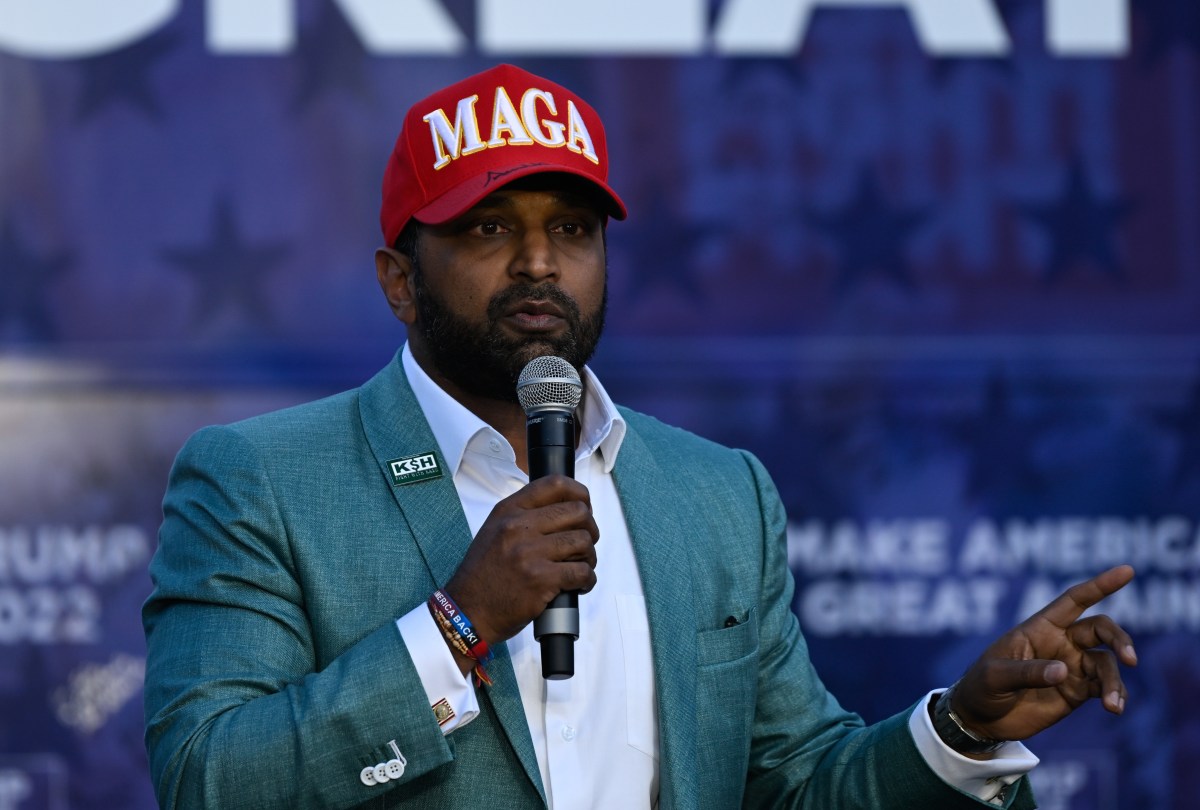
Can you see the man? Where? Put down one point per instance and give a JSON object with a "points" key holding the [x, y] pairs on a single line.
{"points": [[344, 590]]}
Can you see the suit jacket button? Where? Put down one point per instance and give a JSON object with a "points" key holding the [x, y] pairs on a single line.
{"points": [[394, 768], [367, 776], [381, 774]]}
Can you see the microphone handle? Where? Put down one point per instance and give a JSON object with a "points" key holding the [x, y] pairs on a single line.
{"points": [[560, 627], [551, 447]]}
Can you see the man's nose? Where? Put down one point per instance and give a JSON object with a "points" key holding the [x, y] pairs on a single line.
{"points": [[535, 259]]}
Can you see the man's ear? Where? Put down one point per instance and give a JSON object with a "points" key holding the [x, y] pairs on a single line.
{"points": [[395, 272]]}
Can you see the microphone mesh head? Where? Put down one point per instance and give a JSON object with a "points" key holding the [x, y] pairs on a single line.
{"points": [[549, 382]]}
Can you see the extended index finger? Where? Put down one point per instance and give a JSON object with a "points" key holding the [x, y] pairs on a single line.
{"points": [[1068, 607]]}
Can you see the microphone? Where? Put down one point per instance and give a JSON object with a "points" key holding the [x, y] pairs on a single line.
{"points": [[549, 391]]}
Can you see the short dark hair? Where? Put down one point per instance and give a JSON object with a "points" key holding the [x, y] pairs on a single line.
{"points": [[406, 242]]}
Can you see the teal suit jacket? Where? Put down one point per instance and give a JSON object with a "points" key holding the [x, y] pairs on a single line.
{"points": [[275, 671]]}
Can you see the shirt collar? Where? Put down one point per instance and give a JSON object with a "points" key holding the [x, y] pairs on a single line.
{"points": [[602, 428]]}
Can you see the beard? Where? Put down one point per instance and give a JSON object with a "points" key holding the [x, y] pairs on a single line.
{"points": [[484, 361]]}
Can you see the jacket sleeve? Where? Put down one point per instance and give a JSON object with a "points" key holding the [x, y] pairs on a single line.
{"points": [[806, 751], [237, 714]]}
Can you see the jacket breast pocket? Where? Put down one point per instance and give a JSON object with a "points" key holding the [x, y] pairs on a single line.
{"points": [[726, 693], [728, 644]]}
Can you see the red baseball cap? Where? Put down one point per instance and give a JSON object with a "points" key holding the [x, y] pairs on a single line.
{"points": [[468, 139]]}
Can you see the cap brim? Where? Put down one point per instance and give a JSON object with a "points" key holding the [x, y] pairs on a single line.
{"points": [[470, 191]]}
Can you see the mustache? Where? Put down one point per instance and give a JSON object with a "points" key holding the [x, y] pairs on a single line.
{"points": [[503, 301]]}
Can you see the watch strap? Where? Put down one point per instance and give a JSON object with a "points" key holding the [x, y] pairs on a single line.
{"points": [[952, 732]]}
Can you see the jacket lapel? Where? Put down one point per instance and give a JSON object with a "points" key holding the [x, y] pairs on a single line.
{"points": [[396, 429], [664, 560]]}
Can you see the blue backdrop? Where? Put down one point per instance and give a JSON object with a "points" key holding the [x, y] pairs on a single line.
{"points": [[937, 264]]}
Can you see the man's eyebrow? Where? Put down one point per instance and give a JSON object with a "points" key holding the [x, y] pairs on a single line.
{"points": [[494, 201], [568, 198]]}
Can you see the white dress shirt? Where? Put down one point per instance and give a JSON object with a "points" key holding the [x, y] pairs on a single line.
{"points": [[590, 752], [595, 734]]}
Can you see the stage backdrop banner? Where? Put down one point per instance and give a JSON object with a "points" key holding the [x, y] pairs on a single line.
{"points": [[936, 264]]}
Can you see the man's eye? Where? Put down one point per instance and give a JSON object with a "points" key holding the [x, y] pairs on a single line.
{"points": [[572, 228], [488, 228]]}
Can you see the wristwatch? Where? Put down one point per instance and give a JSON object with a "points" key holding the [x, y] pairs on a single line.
{"points": [[954, 734]]}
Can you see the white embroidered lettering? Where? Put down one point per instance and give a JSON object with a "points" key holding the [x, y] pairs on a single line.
{"points": [[552, 135], [578, 138], [451, 142], [505, 119]]}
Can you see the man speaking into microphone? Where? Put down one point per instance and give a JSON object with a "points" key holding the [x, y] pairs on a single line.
{"points": [[346, 592]]}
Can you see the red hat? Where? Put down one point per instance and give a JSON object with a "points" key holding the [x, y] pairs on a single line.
{"points": [[466, 140]]}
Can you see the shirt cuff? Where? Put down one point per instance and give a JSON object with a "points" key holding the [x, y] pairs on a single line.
{"points": [[451, 694], [983, 779]]}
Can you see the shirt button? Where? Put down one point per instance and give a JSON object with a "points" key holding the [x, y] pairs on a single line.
{"points": [[495, 445], [568, 733]]}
